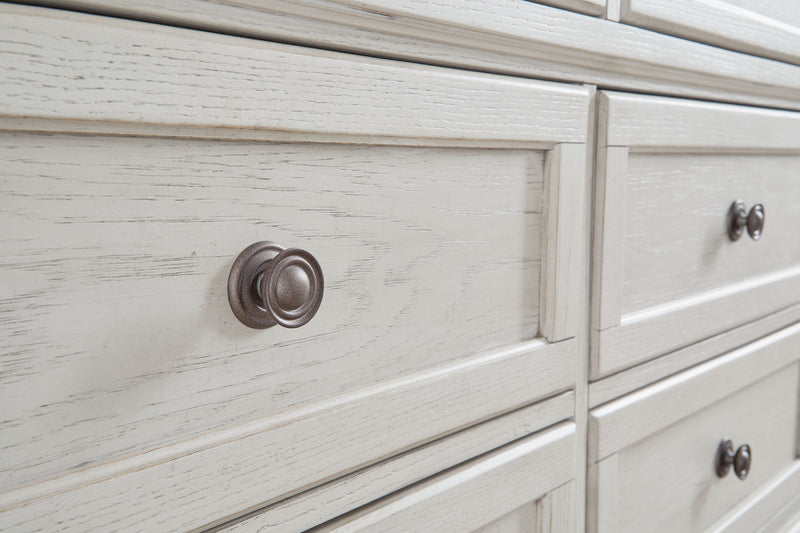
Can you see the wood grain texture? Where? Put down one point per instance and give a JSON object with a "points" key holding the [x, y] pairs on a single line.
{"points": [[475, 493], [766, 29], [115, 302], [332, 499], [637, 377], [557, 510], [667, 480], [75, 66], [766, 509], [674, 280], [504, 36], [188, 485]]}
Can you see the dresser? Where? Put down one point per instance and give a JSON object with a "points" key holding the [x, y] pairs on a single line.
{"points": [[453, 265]]}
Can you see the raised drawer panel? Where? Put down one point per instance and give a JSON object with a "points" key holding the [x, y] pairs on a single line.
{"points": [[445, 236], [667, 273], [769, 29], [654, 451], [119, 297]]}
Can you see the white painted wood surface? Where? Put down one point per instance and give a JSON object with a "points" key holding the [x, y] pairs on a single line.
{"points": [[766, 510], [117, 248], [99, 69], [505, 36], [667, 480], [116, 269], [188, 485], [676, 278], [629, 419], [767, 29], [616, 385], [328, 501], [475, 493]]}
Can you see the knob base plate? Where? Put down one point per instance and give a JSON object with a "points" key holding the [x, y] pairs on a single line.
{"points": [[243, 296]]}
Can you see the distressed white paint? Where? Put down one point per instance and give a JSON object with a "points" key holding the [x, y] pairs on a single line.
{"points": [[627, 420], [766, 510], [616, 385], [117, 249], [509, 36], [75, 66], [475, 493], [330, 500], [667, 480], [768, 29], [667, 275]]}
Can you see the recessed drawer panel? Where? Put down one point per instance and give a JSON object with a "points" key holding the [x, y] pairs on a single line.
{"points": [[668, 271], [440, 206], [658, 455]]}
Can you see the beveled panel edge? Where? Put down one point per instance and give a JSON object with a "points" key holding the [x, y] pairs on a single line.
{"points": [[184, 486]]}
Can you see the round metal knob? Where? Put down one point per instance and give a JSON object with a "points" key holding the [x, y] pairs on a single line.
{"points": [[739, 219], [269, 284], [740, 459]]}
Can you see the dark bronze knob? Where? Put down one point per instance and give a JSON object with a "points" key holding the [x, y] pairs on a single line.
{"points": [[269, 284], [739, 219], [740, 459]]}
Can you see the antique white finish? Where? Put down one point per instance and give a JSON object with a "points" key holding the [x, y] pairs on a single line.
{"points": [[658, 470], [433, 319], [415, 148], [515, 37], [666, 273], [478, 492], [323, 503], [768, 29]]}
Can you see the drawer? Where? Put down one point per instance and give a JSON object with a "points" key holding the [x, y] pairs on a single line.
{"points": [[440, 205], [667, 274], [768, 29], [653, 453], [524, 487]]}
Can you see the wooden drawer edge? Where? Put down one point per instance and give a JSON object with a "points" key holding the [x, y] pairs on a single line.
{"points": [[337, 497], [183, 486], [638, 377], [526, 470], [622, 422], [173, 77]]}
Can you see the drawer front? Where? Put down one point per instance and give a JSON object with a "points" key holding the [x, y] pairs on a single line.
{"points": [[654, 452], [432, 200], [668, 273], [524, 487], [769, 29]]}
